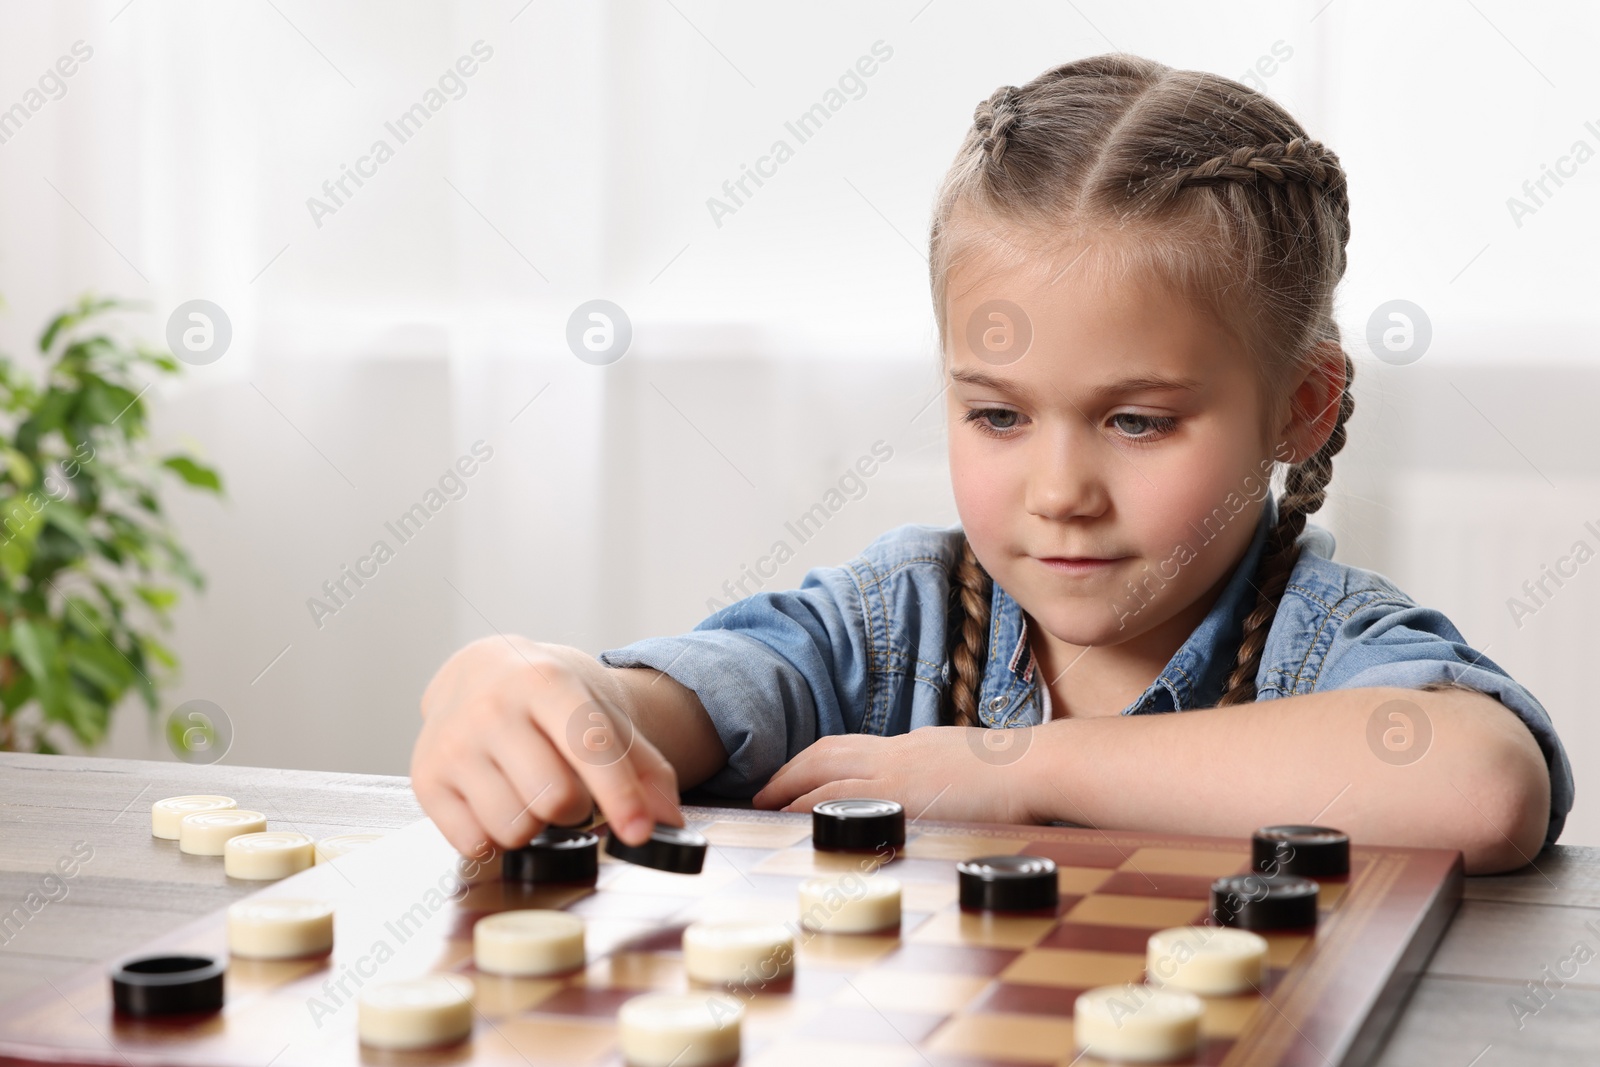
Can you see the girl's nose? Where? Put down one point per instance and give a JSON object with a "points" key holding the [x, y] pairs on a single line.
{"points": [[1064, 479]]}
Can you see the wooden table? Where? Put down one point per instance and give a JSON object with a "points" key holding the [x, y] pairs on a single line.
{"points": [[1509, 930]]}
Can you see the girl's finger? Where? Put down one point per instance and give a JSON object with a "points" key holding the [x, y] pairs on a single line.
{"points": [[453, 817], [780, 789], [495, 804], [825, 760], [597, 744], [547, 787], [660, 783], [787, 782], [848, 787]]}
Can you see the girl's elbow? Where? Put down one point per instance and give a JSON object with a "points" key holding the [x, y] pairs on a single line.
{"points": [[1510, 813]]}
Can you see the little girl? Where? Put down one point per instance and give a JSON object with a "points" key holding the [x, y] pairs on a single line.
{"points": [[1133, 269]]}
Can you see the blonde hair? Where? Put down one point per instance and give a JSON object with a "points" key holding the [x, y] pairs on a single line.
{"points": [[1185, 180]]}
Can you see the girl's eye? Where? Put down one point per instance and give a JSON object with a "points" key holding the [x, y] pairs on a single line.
{"points": [[985, 421], [1143, 427], [1003, 422]]}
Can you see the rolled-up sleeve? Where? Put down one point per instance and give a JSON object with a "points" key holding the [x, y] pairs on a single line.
{"points": [[774, 671], [1389, 643]]}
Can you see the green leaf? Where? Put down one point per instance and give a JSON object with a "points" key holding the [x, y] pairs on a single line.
{"points": [[69, 521], [50, 413], [99, 663], [113, 598], [20, 519], [148, 694], [85, 357], [194, 473], [35, 647], [108, 550], [20, 467], [191, 737], [53, 702], [107, 404], [84, 617], [158, 598], [19, 530], [18, 692], [87, 308], [15, 557], [156, 650], [86, 716], [159, 359]]}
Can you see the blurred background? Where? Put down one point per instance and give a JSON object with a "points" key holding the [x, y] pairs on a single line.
{"points": [[381, 331]]}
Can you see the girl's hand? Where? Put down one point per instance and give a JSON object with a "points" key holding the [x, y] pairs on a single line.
{"points": [[517, 735], [959, 773]]}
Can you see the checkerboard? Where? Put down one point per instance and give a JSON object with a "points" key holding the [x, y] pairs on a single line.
{"points": [[947, 988]]}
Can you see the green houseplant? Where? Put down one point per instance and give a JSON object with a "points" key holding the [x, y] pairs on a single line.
{"points": [[89, 564]]}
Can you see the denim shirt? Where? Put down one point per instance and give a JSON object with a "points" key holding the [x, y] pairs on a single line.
{"points": [[862, 648]]}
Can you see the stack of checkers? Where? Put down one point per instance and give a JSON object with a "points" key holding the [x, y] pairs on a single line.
{"points": [[1282, 894], [207, 825]]}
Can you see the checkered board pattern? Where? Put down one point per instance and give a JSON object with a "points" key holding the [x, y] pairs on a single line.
{"points": [[948, 989]]}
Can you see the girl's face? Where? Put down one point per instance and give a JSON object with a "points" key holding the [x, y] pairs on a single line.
{"points": [[1130, 430]]}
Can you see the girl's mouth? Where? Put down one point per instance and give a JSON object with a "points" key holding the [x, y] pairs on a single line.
{"points": [[1077, 564]]}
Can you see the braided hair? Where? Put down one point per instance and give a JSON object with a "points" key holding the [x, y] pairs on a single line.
{"points": [[970, 589], [1222, 196]]}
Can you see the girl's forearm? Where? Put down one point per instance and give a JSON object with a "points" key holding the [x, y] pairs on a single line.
{"points": [[671, 716], [1480, 785]]}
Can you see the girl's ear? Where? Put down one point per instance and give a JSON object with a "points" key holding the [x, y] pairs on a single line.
{"points": [[1314, 405]]}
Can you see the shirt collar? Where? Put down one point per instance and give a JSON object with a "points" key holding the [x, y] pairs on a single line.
{"points": [[1193, 678]]}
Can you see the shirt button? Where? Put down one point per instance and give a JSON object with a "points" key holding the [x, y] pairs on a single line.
{"points": [[997, 703]]}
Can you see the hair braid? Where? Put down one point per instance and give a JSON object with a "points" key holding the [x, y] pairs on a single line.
{"points": [[1304, 491], [1299, 162], [970, 590], [993, 120]]}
